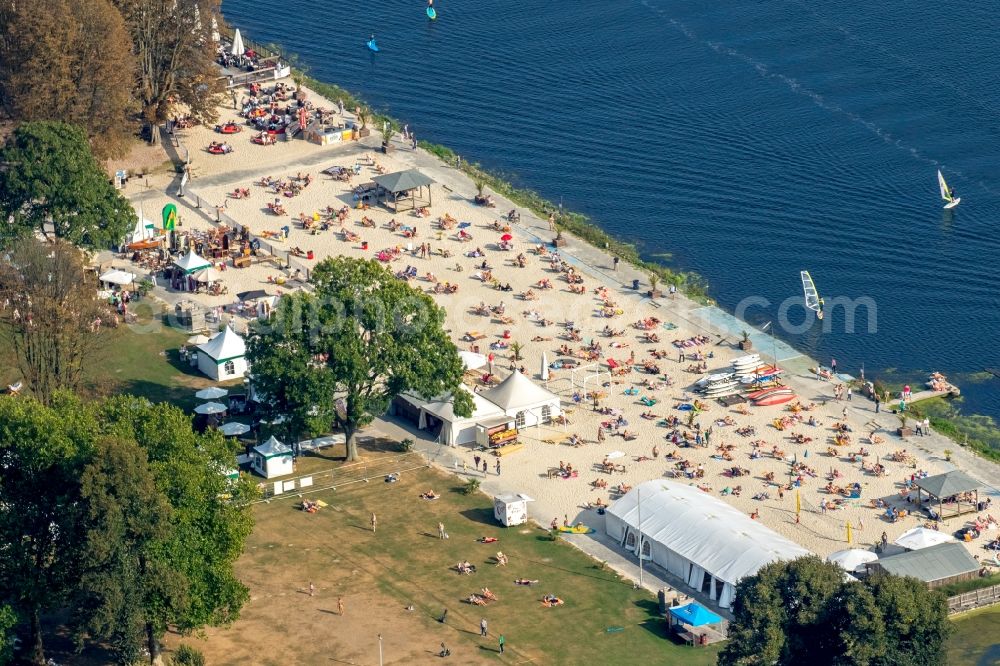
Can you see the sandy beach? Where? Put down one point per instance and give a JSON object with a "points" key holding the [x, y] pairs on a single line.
{"points": [[561, 323]]}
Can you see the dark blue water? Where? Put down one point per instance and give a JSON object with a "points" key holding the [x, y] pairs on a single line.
{"points": [[746, 140]]}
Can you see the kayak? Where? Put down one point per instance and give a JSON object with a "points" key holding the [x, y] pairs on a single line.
{"points": [[756, 395], [774, 399], [372, 46], [577, 529], [432, 13]]}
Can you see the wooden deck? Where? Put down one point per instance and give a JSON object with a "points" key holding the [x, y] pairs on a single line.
{"points": [[952, 391]]}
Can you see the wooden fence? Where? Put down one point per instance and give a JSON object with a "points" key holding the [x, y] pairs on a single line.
{"points": [[967, 601]]}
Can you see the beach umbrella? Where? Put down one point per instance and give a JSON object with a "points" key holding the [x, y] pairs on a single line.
{"points": [[853, 559], [545, 367], [615, 455], [472, 360], [234, 428], [197, 339], [921, 537], [211, 393], [208, 275], [238, 48], [506, 237], [210, 408]]}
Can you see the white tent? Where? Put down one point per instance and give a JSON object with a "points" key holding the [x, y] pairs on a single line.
{"points": [[192, 263], [116, 276], [223, 356], [523, 399], [455, 430], [144, 229], [472, 360], [696, 537], [921, 537], [238, 48]]}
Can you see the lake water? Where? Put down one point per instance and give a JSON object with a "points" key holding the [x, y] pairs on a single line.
{"points": [[745, 141]]}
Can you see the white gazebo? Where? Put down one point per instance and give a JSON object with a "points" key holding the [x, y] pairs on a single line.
{"points": [[118, 277], [456, 430], [697, 537], [223, 356], [272, 458], [529, 403], [192, 262]]}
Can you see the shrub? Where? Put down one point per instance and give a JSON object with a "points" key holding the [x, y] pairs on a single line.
{"points": [[471, 487], [185, 655], [406, 445]]}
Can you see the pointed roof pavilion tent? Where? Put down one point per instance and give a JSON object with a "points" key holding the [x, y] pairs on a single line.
{"points": [[411, 182], [192, 263], [955, 483], [522, 398], [224, 356]]}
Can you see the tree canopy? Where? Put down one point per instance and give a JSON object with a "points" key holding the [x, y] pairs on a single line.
{"points": [[804, 612], [50, 183], [119, 511], [347, 350], [69, 61]]}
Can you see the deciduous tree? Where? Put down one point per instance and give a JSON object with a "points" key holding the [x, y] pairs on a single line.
{"points": [[72, 62], [48, 310], [803, 612], [371, 337], [50, 183], [175, 50]]}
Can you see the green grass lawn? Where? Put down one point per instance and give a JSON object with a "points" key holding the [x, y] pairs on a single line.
{"points": [[409, 563], [976, 639]]}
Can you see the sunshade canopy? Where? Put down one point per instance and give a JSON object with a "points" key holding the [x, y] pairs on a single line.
{"points": [[403, 181], [948, 484], [695, 615]]}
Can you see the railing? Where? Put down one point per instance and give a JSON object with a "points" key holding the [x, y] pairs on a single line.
{"points": [[375, 469], [966, 601]]}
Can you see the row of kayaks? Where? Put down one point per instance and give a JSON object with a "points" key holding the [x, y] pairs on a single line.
{"points": [[748, 373]]}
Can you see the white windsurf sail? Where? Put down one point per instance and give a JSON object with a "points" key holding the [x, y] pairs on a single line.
{"points": [[813, 301], [947, 193]]}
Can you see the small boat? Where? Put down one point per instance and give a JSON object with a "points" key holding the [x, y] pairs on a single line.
{"points": [[372, 46], [947, 193], [763, 393], [774, 399]]}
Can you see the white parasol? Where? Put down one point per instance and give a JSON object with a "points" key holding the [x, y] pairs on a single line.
{"points": [[853, 559], [210, 408], [234, 428], [238, 48], [211, 393], [208, 275], [198, 339], [921, 537]]}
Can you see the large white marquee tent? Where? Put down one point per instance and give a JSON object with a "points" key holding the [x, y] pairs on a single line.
{"points": [[696, 537], [523, 399], [455, 430]]}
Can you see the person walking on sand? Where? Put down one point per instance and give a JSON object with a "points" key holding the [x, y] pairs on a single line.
{"points": [[340, 606], [312, 590], [440, 530], [374, 522], [486, 467], [848, 394], [475, 461], [482, 627], [465, 467], [600, 433], [498, 467], [502, 643], [615, 262], [878, 403]]}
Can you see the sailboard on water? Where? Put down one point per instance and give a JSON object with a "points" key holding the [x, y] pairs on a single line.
{"points": [[372, 46], [947, 193], [431, 12], [813, 301]]}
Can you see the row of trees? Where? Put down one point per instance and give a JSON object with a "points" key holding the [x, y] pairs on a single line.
{"points": [[119, 513], [804, 612], [100, 64]]}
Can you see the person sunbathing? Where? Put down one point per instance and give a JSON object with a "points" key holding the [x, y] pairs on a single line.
{"points": [[466, 567], [501, 559], [486, 594], [429, 495], [525, 581], [486, 539]]}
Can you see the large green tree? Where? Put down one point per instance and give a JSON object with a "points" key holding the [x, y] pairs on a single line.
{"points": [[804, 612], [70, 61], [368, 335], [121, 512], [43, 452], [50, 183]]}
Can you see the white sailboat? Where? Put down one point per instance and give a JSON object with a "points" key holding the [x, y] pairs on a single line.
{"points": [[947, 194]]}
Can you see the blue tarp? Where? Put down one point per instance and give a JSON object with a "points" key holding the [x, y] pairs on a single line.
{"points": [[695, 615]]}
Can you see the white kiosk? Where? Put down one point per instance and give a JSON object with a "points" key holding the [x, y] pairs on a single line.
{"points": [[511, 510]]}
